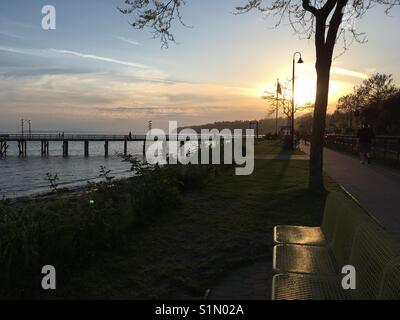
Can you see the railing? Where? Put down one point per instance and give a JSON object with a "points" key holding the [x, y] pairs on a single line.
{"points": [[93, 137], [69, 137], [384, 148]]}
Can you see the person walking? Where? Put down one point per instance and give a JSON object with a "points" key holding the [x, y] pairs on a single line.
{"points": [[365, 136]]}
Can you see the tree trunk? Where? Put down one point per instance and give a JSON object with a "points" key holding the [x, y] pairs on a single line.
{"points": [[318, 133]]}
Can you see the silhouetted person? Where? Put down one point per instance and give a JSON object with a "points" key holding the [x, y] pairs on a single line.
{"points": [[130, 135], [365, 136]]}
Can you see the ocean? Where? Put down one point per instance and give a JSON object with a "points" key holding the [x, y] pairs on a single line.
{"points": [[24, 176]]}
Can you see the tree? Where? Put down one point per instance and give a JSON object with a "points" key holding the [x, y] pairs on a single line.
{"points": [[389, 117], [370, 101], [377, 89], [350, 105], [285, 102], [325, 20]]}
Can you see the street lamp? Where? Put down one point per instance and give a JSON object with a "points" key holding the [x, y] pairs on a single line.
{"points": [[293, 80]]}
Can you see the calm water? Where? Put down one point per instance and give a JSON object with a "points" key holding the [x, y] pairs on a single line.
{"points": [[26, 176]]}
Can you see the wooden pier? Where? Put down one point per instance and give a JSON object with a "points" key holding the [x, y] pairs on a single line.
{"points": [[45, 139]]}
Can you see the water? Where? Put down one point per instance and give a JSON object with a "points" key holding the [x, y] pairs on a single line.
{"points": [[27, 176]]}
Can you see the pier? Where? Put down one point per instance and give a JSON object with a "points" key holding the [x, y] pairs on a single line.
{"points": [[45, 139]]}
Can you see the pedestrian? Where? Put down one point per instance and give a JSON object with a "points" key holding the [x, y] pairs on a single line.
{"points": [[365, 136], [130, 135]]}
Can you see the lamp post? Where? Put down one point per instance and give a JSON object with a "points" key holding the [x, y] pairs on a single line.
{"points": [[278, 92], [293, 80], [29, 127]]}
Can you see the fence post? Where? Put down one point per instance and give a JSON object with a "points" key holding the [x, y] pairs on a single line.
{"points": [[384, 150], [398, 151]]}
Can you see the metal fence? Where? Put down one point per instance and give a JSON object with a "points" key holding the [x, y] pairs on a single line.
{"points": [[384, 148]]}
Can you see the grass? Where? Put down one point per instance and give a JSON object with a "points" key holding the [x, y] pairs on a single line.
{"points": [[273, 147], [185, 252]]}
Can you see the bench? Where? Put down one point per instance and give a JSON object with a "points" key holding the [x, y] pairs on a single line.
{"points": [[308, 260]]}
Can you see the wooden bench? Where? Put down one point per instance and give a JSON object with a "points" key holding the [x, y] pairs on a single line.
{"points": [[308, 260]]}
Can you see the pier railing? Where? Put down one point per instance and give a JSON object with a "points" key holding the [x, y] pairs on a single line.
{"points": [[384, 148], [69, 137]]}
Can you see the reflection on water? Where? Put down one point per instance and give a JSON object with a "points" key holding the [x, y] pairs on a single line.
{"points": [[25, 176]]}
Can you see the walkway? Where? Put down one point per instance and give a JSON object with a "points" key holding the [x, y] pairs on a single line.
{"points": [[253, 282], [280, 157], [377, 188]]}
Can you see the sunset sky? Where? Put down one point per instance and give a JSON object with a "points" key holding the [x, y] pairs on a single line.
{"points": [[96, 73]]}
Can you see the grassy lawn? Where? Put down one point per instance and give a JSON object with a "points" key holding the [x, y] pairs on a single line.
{"points": [[273, 147], [215, 230]]}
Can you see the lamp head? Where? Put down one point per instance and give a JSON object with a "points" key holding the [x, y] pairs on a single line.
{"points": [[300, 60]]}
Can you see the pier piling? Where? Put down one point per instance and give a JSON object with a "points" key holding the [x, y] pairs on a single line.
{"points": [[22, 148], [44, 148], [86, 148], [106, 148], [65, 148], [125, 147], [3, 148]]}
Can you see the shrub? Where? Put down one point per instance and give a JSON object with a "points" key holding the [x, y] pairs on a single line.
{"points": [[70, 231]]}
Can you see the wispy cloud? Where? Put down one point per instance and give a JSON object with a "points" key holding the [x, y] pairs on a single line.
{"points": [[10, 35], [36, 52], [15, 50], [123, 39], [148, 110], [100, 58], [347, 72], [339, 71]]}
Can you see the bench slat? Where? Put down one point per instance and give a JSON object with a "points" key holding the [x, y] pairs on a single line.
{"points": [[307, 287], [304, 259], [299, 235]]}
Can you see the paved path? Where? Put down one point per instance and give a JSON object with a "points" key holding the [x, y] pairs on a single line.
{"points": [[280, 157], [377, 188], [252, 282]]}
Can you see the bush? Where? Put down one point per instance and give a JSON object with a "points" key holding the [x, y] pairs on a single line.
{"points": [[71, 231]]}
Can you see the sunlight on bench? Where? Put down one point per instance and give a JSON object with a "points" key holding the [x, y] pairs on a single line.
{"points": [[309, 261]]}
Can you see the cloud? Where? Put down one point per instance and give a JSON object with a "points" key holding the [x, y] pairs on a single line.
{"points": [[148, 110], [161, 110], [10, 35], [339, 71], [347, 72], [100, 58], [123, 39], [15, 50], [141, 72], [38, 52]]}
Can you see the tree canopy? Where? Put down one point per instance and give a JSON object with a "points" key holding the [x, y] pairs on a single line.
{"points": [[335, 16]]}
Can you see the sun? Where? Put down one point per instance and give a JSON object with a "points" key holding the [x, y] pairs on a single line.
{"points": [[305, 90]]}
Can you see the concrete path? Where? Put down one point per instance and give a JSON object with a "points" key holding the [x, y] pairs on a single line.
{"points": [[280, 157], [252, 282], [376, 187]]}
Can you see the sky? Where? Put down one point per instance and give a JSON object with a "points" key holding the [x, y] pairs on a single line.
{"points": [[96, 73]]}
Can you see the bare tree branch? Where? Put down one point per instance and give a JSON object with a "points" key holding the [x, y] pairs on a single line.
{"points": [[157, 15]]}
